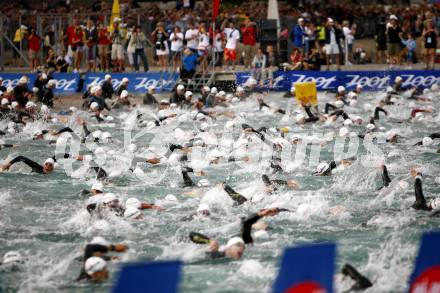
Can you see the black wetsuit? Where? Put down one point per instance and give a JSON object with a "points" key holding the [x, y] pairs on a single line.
{"points": [[275, 183], [263, 104], [420, 203], [385, 177], [376, 112], [432, 136], [149, 99], [176, 98], [37, 168], [90, 251], [107, 90], [47, 97], [235, 196]]}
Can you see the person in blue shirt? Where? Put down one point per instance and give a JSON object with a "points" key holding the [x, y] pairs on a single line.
{"points": [[189, 64], [410, 45], [298, 34]]}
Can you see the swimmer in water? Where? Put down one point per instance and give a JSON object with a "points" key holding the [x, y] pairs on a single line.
{"points": [[236, 246], [46, 168]]}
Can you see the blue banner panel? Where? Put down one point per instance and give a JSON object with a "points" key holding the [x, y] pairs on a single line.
{"points": [[66, 82], [307, 269], [330, 80], [138, 82], [426, 275], [151, 277]]}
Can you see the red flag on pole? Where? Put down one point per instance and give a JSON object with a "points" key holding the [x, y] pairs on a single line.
{"points": [[215, 9]]}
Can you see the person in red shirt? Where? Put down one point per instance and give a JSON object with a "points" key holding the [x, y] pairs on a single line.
{"points": [[77, 47], [34, 47], [249, 41], [103, 46], [69, 35]]}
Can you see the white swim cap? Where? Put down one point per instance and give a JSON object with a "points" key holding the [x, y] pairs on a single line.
{"points": [[203, 207], [398, 79], [98, 186], [299, 118], [94, 264], [124, 94], [124, 80], [322, 168], [97, 134], [348, 122], [49, 161], [339, 104], [234, 241], [180, 87], [132, 147], [132, 213], [23, 80], [427, 141], [203, 183], [133, 202], [94, 106], [109, 197], [5, 101], [170, 197], [371, 126], [99, 240], [12, 257], [107, 77], [343, 131], [106, 135], [240, 89], [341, 89], [188, 94], [214, 90]]}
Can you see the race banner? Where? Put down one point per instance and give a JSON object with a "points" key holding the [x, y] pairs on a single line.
{"points": [[138, 82], [426, 275], [160, 276], [307, 269], [66, 82], [330, 80]]}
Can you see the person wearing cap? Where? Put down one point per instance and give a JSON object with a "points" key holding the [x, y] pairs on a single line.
{"points": [[39, 84], [273, 184], [97, 188], [149, 98], [236, 246], [333, 37], [46, 168], [117, 51], [107, 87], [123, 86], [12, 258], [394, 35], [47, 95], [19, 37], [122, 101], [4, 107], [298, 34], [21, 93], [178, 96], [98, 248], [96, 97]]}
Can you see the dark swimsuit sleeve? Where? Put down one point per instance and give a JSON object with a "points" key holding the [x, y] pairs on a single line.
{"points": [[385, 177], [35, 166], [235, 196], [247, 227]]}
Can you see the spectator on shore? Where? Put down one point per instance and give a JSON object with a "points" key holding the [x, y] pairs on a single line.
{"points": [[176, 39], [203, 48], [19, 37], [77, 47], [34, 42], [191, 39], [430, 35], [296, 60], [232, 38], [91, 35], [259, 65], [160, 40], [410, 45], [104, 42], [298, 34], [394, 35], [218, 44], [349, 33], [272, 65], [381, 41], [333, 37], [51, 61], [61, 63], [117, 53], [249, 41], [189, 64], [313, 61], [136, 42], [309, 38]]}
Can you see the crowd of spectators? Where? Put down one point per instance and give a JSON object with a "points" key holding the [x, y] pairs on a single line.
{"points": [[182, 37]]}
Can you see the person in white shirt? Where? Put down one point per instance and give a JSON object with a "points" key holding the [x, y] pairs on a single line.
{"points": [[258, 65], [349, 37], [218, 45], [191, 37], [176, 39], [232, 37], [203, 48]]}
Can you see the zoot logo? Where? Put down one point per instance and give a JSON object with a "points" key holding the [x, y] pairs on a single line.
{"points": [[375, 82], [321, 81]]}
